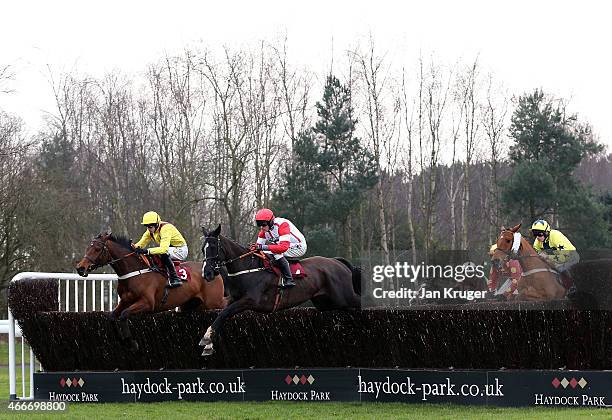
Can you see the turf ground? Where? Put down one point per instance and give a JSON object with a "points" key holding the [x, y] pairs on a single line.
{"points": [[284, 410]]}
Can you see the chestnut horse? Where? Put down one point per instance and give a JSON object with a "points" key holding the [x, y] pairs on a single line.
{"points": [[330, 283], [144, 291], [538, 281]]}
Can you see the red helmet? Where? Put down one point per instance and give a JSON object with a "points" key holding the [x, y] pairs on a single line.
{"points": [[264, 215]]}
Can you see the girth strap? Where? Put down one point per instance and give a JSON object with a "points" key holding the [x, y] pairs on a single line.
{"points": [[134, 274], [538, 270], [246, 272]]}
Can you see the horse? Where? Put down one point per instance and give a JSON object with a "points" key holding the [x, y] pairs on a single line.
{"points": [[538, 280], [330, 283], [143, 290]]}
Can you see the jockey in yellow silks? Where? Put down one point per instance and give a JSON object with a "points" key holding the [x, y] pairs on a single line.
{"points": [[170, 244], [553, 246]]}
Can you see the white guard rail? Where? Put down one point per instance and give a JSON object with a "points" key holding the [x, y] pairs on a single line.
{"points": [[97, 292]]}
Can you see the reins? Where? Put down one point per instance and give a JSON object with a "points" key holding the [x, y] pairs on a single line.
{"points": [[110, 262], [224, 263], [514, 255]]}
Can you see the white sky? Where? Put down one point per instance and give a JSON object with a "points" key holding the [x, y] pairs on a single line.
{"points": [[560, 46]]}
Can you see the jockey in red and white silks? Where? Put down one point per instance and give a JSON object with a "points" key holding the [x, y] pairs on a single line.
{"points": [[280, 238], [283, 238]]}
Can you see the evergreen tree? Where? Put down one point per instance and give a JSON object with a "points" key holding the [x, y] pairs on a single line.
{"points": [[548, 146], [329, 174]]}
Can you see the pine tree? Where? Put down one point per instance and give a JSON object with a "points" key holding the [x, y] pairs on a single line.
{"points": [[548, 146], [329, 175]]}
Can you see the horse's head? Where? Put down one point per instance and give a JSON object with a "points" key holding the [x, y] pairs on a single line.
{"points": [[213, 253], [96, 255], [507, 245]]}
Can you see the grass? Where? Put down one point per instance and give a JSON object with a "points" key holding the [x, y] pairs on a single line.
{"points": [[283, 410]]}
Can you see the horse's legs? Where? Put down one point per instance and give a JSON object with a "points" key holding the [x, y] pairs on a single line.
{"points": [[121, 306], [126, 335], [232, 309]]}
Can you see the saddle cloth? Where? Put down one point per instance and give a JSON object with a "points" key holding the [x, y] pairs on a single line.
{"points": [[297, 271], [182, 268]]}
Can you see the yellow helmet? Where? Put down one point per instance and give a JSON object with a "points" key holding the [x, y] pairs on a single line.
{"points": [[150, 217], [540, 225]]}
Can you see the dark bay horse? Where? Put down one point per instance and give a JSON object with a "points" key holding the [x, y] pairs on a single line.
{"points": [[143, 290], [331, 283], [538, 281]]}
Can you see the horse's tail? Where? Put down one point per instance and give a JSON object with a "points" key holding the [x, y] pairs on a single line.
{"points": [[356, 273]]}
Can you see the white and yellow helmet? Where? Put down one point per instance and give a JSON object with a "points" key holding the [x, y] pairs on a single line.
{"points": [[150, 218], [540, 225]]}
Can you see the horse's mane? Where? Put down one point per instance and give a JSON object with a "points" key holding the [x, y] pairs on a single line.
{"points": [[235, 242], [121, 240]]}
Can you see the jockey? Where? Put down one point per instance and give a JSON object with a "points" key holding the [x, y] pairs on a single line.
{"points": [[553, 246], [279, 237], [170, 244]]}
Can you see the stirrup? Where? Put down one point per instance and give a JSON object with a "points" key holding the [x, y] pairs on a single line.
{"points": [[286, 284], [172, 285]]}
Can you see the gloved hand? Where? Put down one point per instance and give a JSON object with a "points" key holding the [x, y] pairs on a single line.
{"points": [[544, 255], [141, 251], [260, 247]]}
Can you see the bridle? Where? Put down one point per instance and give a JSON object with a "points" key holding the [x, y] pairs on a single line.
{"points": [[105, 251], [218, 264], [513, 254]]}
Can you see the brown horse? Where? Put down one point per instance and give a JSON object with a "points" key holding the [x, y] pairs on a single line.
{"points": [[538, 281], [142, 290], [331, 283]]}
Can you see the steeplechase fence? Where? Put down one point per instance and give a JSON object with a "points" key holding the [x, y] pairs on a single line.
{"points": [[74, 294], [537, 354]]}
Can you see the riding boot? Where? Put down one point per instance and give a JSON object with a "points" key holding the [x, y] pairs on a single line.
{"points": [[286, 272], [173, 279]]}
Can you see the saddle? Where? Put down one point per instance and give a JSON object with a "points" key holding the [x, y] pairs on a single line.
{"points": [[182, 269], [297, 270]]}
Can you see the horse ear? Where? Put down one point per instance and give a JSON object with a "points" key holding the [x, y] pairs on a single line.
{"points": [[516, 228], [217, 231], [204, 231], [503, 228]]}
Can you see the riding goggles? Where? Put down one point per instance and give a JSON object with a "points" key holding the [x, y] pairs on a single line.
{"points": [[262, 223], [537, 233]]}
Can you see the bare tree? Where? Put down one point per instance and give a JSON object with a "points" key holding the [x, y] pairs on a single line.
{"points": [[494, 112], [408, 119], [452, 183], [433, 96], [380, 128], [468, 91], [15, 198]]}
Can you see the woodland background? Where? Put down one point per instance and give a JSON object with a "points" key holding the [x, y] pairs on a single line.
{"points": [[371, 155]]}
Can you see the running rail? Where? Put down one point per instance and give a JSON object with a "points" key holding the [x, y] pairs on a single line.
{"points": [[103, 296]]}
